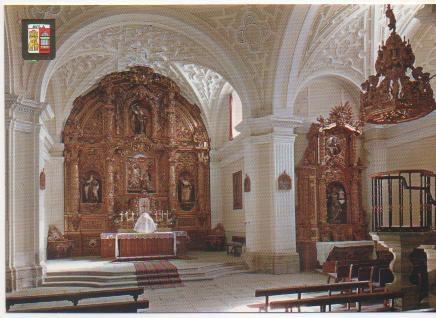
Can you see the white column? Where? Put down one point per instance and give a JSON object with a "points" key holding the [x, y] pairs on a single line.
{"points": [[216, 201], [284, 201], [24, 125], [270, 212]]}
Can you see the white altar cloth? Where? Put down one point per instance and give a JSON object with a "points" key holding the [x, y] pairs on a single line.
{"points": [[323, 248]]}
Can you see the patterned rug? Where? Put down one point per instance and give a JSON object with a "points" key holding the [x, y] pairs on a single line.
{"points": [[157, 274]]}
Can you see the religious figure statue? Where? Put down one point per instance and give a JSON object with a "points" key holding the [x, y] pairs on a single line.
{"points": [[139, 119], [135, 177], [186, 193], [145, 223], [336, 204], [333, 146], [146, 180], [140, 177], [392, 21], [91, 189]]}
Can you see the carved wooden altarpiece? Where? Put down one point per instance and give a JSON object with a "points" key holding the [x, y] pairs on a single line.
{"points": [[329, 203], [134, 136]]}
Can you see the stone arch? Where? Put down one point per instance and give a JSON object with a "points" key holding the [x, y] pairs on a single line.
{"points": [[225, 63], [348, 84]]}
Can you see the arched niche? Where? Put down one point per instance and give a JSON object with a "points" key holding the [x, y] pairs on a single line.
{"points": [[136, 134]]}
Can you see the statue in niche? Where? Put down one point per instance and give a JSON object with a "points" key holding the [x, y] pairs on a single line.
{"points": [[139, 119], [91, 189], [336, 204], [146, 179], [140, 176], [333, 146], [186, 192]]}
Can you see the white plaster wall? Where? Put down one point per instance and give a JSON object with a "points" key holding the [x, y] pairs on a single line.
{"points": [[233, 220], [54, 196], [25, 233], [321, 95], [262, 187], [419, 154], [216, 203]]}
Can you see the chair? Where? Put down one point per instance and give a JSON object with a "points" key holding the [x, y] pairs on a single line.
{"points": [[365, 273], [340, 274], [354, 268]]}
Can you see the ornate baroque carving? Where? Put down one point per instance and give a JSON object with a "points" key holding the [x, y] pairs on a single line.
{"points": [[329, 183], [390, 96], [119, 140]]}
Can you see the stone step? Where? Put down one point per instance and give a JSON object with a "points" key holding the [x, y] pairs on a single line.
{"points": [[109, 279]]}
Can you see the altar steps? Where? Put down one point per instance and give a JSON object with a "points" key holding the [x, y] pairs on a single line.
{"points": [[107, 279]]}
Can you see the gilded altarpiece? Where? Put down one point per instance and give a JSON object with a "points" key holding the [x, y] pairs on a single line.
{"points": [[134, 136], [329, 191]]}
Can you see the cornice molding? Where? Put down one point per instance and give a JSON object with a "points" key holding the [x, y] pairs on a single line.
{"points": [[27, 110], [401, 133]]}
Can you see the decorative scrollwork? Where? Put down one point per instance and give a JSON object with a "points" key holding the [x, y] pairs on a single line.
{"points": [[390, 96]]}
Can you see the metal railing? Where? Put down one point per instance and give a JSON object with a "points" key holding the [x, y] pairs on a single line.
{"points": [[402, 200]]}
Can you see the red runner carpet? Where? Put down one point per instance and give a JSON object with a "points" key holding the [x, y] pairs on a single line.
{"points": [[159, 273]]}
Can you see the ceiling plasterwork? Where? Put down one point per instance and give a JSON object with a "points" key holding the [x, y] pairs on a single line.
{"points": [[338, 44], [167, 52], [207, 83], [251, 31]]}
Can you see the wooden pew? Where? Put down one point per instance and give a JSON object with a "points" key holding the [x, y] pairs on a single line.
{"points": [[121, 307], [324, 301], [304, 289], [354, 268], [74, 297]]}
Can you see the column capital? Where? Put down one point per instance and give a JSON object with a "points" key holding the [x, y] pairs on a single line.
{"points": [[57, 150], [26, 110], [269, 124]]}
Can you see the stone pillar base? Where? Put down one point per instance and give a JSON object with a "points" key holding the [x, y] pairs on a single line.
{"points": [[410, 296], [273, 263], [20, 278]]}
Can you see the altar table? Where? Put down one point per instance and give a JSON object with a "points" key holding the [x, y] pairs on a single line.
{"points": [[131, 245], [323, 249]]}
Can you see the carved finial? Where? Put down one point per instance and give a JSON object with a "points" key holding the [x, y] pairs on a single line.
{"points": [[392, 21]]}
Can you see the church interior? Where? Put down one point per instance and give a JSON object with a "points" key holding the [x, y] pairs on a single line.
{"points": [[220, 158]]}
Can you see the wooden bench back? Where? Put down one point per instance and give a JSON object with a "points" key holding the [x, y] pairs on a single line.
{"points": [[334, 299], [111, 307], [310, 288], [74, 296]]}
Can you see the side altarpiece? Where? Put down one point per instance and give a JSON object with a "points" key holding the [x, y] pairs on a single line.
{"points": [[329, 190], [131, 137]]}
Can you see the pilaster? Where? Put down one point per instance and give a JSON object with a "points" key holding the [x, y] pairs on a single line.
{"points": [[215, 189], [270, 212], [27, 145]]}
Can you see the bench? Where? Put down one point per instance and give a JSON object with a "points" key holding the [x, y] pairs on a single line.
{"points": [[74, 297], [112, 307], [324, 301], [341, 267], [304, 289], [235, 246]]}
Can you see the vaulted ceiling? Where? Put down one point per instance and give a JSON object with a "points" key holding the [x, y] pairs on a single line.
{"points": [[266, 52]]}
